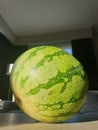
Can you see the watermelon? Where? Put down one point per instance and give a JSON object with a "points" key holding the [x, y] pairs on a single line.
{"points": [[49, 84]]}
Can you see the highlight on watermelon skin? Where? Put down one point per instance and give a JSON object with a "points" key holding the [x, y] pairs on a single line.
{"points": [[49, 84]]}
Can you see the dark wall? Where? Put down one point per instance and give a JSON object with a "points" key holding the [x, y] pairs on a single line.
{"points": [[8, 54], [84, 52]]}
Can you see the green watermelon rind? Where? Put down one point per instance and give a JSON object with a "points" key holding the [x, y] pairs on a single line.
{"points": [[62, 75]]}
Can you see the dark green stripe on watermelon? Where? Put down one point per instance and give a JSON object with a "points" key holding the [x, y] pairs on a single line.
{"points": [[59, 78], [21, 67], [60, 104], [34, 53], [23, 81], [48, 58]]}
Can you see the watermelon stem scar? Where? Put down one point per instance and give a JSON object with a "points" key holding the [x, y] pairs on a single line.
{"points": [[18, 100]]}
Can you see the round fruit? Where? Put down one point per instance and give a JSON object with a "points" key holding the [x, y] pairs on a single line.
{"points": [[49, 84]]}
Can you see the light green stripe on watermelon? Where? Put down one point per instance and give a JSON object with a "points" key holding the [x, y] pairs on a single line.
{"points": [[63, 114], [59, 78], [35, 51], [40, 61], [65, 109], [56, 106], [48, 58], [22, 59]]}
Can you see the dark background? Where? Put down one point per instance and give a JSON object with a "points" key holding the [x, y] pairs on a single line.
{"points": [[8, 54], [82, 49]]}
